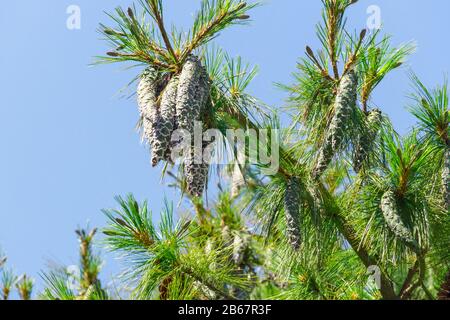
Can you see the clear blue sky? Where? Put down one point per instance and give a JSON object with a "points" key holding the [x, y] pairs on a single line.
{"points": [[68, 141]]}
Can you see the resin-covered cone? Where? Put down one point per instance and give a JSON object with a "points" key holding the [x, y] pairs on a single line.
{"points": [[148, 91], [367, 139], [394, 221], [196, 172], [292, 212], [192, 96], [193, 90], [165, 122], [344, 103]]}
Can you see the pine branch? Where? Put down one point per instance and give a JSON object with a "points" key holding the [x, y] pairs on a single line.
{"points": [[88, 262], [156, 11], [214, 16], [344, 226], [406, 287], [25, 287]]}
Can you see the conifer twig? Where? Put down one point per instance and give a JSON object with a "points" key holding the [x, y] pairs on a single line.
{"points": [[159, 19]]}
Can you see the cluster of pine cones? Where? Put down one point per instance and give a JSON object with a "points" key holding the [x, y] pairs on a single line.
{"points": [[171, 102]]}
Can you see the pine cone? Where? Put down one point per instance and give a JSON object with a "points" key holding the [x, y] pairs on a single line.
{"points": [[367, 139], [148, 91], [394, 221], [345, 101], [192, 96], [292, 212], [165, 122], [193, 90], [196, 172], [157, 117], [446, 179]]}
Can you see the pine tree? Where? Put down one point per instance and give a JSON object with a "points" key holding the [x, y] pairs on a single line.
{"points": [[386, 214], [350, 193]]}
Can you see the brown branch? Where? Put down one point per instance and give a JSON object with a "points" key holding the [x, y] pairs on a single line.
{"points": [[419, 282], [387, 289], [160, 22], [406, 287], [353, 58], [331, 39]]}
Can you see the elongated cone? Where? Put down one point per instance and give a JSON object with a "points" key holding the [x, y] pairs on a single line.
{"points": [[165, 122], [345, 101], [446, 178], [193, 90], [196, 171], [193, 93], [292, 212], [148, 91], [394, 221], [367, 139]]}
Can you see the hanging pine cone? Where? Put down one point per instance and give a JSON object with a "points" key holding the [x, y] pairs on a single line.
{"points": [[148, 91], [196, 171], [165, 122], [193, 90], [292, 212], [446, 178], [394, 221], [366, 140], [345, 101]]}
